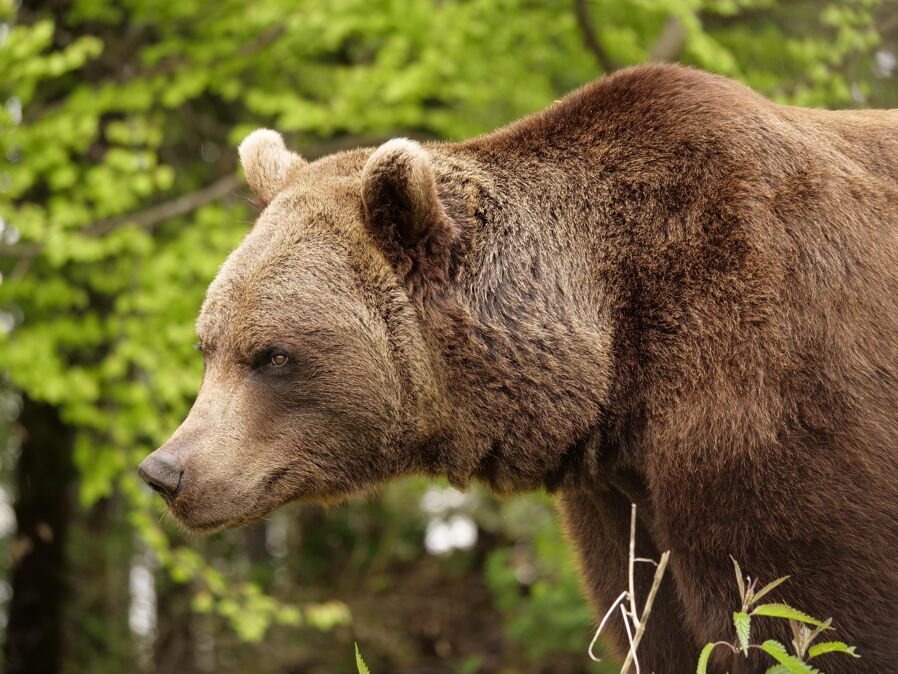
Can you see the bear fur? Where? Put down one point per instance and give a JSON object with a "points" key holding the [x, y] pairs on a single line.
{"points": [[663, 290]]}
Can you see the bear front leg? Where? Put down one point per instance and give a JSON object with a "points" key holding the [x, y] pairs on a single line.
{"points": [[828, 525], [599, 526], [826, 581]]}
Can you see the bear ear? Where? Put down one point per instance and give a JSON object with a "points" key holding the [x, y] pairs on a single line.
{"points": [[266, 162], [399, 195]]}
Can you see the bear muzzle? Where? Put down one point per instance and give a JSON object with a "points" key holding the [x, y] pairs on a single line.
{"points": [[163, 472]]}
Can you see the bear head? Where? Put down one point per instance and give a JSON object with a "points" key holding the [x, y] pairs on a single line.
{"points": [[318, 381]]}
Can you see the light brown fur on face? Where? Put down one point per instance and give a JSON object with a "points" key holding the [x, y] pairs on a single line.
{"points": [[328, 423], [664, 289]]}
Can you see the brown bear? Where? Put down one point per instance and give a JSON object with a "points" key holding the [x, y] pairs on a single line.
{"points": [[664, 289]]}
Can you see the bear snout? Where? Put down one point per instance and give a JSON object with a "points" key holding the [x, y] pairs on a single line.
{"points": [[163, 472]]}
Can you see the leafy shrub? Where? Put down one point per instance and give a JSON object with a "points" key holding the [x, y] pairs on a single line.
{"points": [[805, 631]]}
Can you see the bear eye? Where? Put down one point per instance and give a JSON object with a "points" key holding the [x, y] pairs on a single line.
{"points": [[272, 358], [278, 359]]}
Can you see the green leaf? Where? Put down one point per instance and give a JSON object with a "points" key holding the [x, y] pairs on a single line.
{"points": [[767, 588], [360, 664], [785, 611], [328, 615], [742, 622], [790, 663], [703, 659], [740, 580], [832, 647], [289, 615], [203, 601], [777, 669]]}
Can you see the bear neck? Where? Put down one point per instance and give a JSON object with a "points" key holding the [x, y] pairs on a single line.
{"points": [[604, 247], [520, 336]]}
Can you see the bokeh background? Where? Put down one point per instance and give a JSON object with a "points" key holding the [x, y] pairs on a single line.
{"points": [[119, 198]]}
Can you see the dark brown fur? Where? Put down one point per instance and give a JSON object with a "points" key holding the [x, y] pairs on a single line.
{"points": [[663, 289]]}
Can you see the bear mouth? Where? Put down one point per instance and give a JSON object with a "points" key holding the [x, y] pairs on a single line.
{"points": [[209, 527], [190, 518], [197, 514]]}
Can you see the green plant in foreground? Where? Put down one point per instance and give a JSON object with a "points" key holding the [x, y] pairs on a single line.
{"points": [[805, 631], [360, 663]]}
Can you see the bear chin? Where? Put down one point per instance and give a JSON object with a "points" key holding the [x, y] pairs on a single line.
{"points": [[193, 518]]}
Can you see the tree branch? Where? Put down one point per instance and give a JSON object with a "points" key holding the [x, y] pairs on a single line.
{"points": [[152, 216], [148, 219], [671, 41], [590, 38]]}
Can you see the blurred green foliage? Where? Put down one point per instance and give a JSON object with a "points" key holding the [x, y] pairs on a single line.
{"points": [[119, 199]]}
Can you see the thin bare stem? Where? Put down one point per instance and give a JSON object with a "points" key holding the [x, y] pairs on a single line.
{"points": [[595, 638], [633, 615], [631, 654], [634, 624], [646, 612]]}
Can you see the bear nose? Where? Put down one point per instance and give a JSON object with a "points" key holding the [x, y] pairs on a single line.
{"points": [[163, 472]]}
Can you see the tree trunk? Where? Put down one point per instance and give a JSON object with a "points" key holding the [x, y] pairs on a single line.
{"points": [[43, 510], [176, 649]]}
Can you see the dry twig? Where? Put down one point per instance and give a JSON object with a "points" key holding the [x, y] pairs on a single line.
{"points": [[634, 623]]}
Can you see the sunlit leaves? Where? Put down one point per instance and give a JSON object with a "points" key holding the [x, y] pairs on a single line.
{"points": [[742, 623], [831, 647], [789, 662], [703, 659], [785, 611]]}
